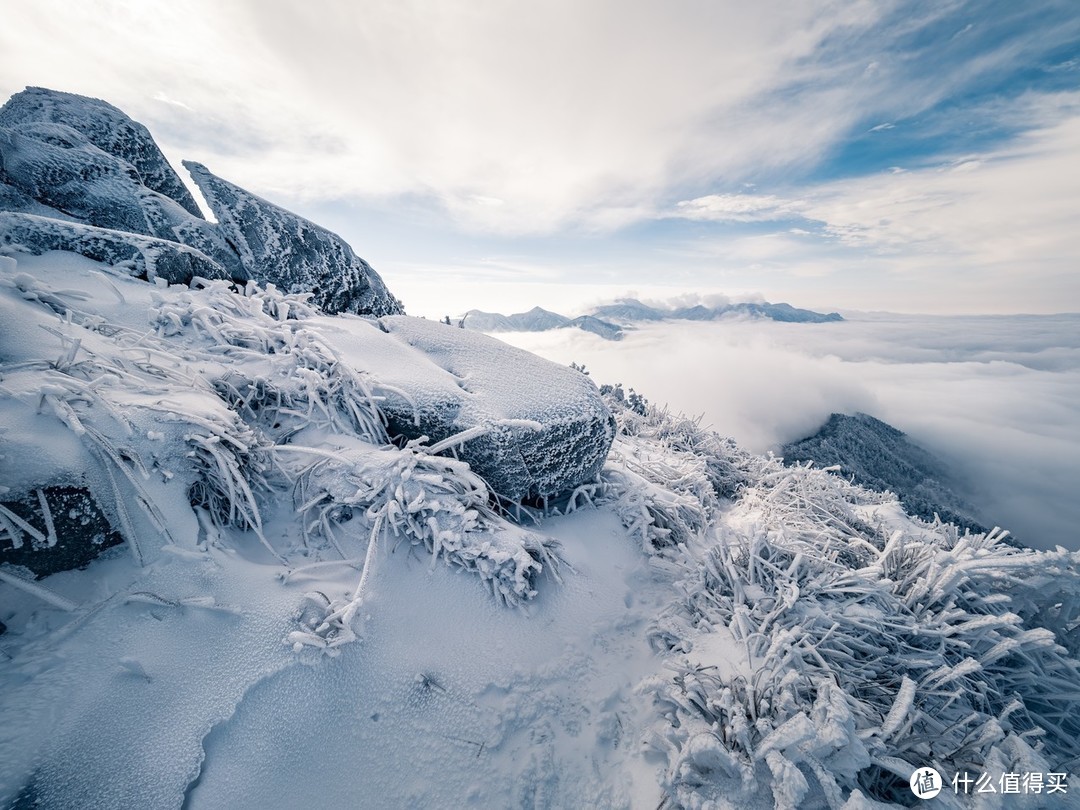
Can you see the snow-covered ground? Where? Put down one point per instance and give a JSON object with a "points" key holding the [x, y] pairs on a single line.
{"points": [[305, 614]]}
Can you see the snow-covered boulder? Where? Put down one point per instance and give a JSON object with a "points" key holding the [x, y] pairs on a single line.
{"points": [[140, 256], [537, 428], [277, 246], [105, 127], [61, 169]]}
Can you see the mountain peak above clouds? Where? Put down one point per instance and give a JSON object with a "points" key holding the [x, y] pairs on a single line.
{"points": [[876, 455]]}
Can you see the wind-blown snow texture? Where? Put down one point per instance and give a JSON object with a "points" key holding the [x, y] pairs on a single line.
{"points": [[279, 247]]}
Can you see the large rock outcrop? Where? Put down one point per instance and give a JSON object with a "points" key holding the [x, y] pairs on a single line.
{"points": [[107, 128], [12, 199], [296, 255], [547, 430], [69, 157], [140, 256], [61, 169]]}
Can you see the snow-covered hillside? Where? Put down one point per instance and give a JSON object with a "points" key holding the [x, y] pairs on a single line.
{"points": [[332, 560], [300, 606]]}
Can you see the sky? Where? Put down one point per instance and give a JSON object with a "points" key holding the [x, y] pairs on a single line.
{"points": [[997, 398], [841, 154]]}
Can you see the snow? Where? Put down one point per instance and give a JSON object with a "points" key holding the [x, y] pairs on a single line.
{"points": [[450, 701], [305, 613], [486, 383]]}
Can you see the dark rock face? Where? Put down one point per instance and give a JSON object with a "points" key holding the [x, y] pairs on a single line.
{"points": [[107, 128], [59, 167], [78, 525], [12, 199], [142, 256], [547, 430], [279, 247], [880, 457]]}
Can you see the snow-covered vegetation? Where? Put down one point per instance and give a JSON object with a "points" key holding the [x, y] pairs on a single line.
{"points": [[868, 642], [811, 643]]}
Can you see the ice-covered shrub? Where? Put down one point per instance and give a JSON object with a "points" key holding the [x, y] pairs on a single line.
{"points": [[393, 496], [868, 644], [273, 371], [666, 475]]}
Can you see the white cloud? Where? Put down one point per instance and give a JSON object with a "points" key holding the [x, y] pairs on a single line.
{"points": [[588, 117], [992, 231], [571, 113], [738, 208], [996, 397]]}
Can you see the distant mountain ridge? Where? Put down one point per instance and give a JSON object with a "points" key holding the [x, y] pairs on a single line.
{"points": [[878, 456], [538, 319], [608, 320], [629, 310]]}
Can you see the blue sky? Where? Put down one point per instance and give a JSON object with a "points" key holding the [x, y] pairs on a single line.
{"points": [[919, 156]]}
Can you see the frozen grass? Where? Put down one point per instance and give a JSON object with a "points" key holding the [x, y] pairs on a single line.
{"points": [[870, 643], [230, 395], [410, 496]]}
